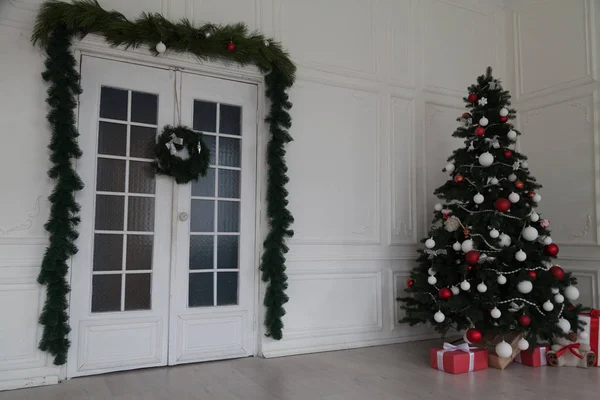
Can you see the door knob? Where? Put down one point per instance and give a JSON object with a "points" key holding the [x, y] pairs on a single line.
{"points": [[183, 216]]}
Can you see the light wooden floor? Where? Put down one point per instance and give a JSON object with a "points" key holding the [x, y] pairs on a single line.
{"points": [[389, 372]]}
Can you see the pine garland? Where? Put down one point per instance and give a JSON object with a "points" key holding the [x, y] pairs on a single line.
{"points": [[57, 23]]}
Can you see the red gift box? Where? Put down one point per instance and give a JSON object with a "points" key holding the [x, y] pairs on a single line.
{"points": [[458, 359], [537, 358], [592, 328]]}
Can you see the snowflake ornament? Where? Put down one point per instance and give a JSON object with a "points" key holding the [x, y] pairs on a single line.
{"points": [[482, 101], [452, 224]]}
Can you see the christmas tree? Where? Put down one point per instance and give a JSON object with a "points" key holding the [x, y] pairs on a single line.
{"points": [[488, 261]]}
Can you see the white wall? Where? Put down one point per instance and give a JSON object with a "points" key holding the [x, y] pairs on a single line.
{"points": [[379, 88]]}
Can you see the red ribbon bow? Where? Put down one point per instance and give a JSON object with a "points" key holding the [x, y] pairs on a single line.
{"points": [[572, 348], [593, 313]]}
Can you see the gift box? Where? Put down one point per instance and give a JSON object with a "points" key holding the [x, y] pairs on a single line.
{"points": [[537, 358], [458, 359], [489, 342], [592, 328]]}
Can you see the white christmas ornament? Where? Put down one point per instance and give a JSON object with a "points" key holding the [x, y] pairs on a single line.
{"points": [[430, 271], [455, 290], [494, 233], [465, 285], [514, 198], [530, 233], [548, 306], [486, 159], [512, 178], [478, 198], [430, 243], [483, 121], [207, 34], [482, 101], [495, 313], [494, 181], [438, 207], [432, 280], [523, 344], [504, 240], [267, 43], [512, 135], [496, 145], [503, 349], [571, 293], [467, 245], [524, 164], [482, 288], [503, 112], [160, 47], [559, 298], [547, 240], [554, 290], [520, 256], [536, 198], [564, 325], [534, 217], [456, 246], [439, 317], [449, 167], [525, 287], [501, 279], [583, 335]]}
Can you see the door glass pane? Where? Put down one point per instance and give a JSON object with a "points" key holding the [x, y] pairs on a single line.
{"points": [[230, 119], [201, 292], [141, 177], [108, 252], [106, 293], [139, 252], [201, 252], [229, 183], [211, 143], [229, 152], [113, 103], [112, 139], [137, 291], [229, 216], [111, 175], [144, 108], [142, 142], [227, 288], [202, 217], [228, 252], [205, 187], [110, 213], [205, 116], [140, 214]]}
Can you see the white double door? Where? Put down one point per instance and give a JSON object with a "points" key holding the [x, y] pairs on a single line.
{"points": [[165, 273]]}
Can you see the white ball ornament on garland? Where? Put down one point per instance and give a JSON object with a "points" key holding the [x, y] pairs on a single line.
{"points": [[478, 198], [520, 256], [495, 313], [430, 271], [503, 349], [486, 159], [430, 243], [482, 288], [503, 112], [449, 168], [161, 47], [494, 233], [439, 317], [483, 121], [525, 287], [536, 198], [438, 207], [523, 344], [496, 145], [494, 181], [467, 246], [512, 135], [524, 164], [571, 293], [504, 240], [564, 325], [501, 279], [465, 285], [534, 217], [455, 290], [432, 280], [456, 246], [514, 198], [548, 306], [512, 178], [554, 290], [530, 233], [547, 240], [559, 298]]}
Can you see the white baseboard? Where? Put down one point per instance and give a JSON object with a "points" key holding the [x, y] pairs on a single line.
{"points": [[28, 382]]}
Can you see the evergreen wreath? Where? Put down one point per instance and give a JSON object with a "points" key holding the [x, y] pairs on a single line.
{"points": [[171, 142], [57, 24]]}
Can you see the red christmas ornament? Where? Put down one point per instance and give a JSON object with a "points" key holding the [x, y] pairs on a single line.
{"points": [[532, 274], [458, 178], [558, 272], [465, 116], [503, 119], [409, 282], [571, 307], [551, 250], [480, 131], [474, 336], [472, 98], [525, 320], [472, 257], [508, 153], [531, 194], [230, 47], [444, 293], [519, 185], [502, 205]]}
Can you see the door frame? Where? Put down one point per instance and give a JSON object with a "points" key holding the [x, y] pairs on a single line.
{"points": [[95, 46]]}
